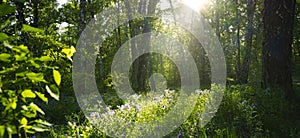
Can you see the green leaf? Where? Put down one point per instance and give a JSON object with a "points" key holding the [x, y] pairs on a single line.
{"points": [[6, 44], [29, 113], [21, 57], [28, 94], [53, 91], [44, 58], [34, 64], [23, 121], [5, 24], [21, 74], [5, 57], [2, 131], [3, 37], [28, 28], [42, 97], [35, 107], [36, 77], [43, 122], [69, 52], [11, 130], [39, 128], [13, 105], [21, 49], [6, 9], [57, 77], [8, 70]]}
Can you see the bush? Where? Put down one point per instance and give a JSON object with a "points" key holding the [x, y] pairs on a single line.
{"points": [[245, 111]]}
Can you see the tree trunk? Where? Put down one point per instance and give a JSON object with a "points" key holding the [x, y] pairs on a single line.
{"points": [[91, 9], [82, 15], [217, 20], [243, 76], [145, 64], [278, 20], [141, 67], [20, 14], [238, 44], [132, 32], [35, 14], [83, 63]]}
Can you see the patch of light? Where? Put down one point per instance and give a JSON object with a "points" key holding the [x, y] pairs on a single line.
{"points": [[63, 27], [61, 2], [195, 4]]}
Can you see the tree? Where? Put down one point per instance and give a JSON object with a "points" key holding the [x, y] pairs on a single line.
{"points": [[278, 17], [244, 72], [141, 69], [238, 42]]}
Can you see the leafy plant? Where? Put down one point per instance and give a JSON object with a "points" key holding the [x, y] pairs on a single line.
{"points": [[25, 79]]}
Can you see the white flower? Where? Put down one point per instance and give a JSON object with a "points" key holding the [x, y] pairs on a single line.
{"points": [[111, 112], [125, 107], [137, 107], [166, 91]]}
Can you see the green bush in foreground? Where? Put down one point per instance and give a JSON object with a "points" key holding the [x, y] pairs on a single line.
{"points": [[245, 111]]}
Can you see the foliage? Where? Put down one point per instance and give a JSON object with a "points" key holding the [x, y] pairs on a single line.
{"points": [[25, 79], [36, 65], [244, 112]]}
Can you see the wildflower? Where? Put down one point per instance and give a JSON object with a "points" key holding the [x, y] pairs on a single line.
{"points": [[125, 107], [166, 91], [95, 115], [172, 91], [107, 108], [137, 107], [111, 112], [180, 135]]}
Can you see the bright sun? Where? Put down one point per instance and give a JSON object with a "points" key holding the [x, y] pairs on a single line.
{"points": [[195, 4]]}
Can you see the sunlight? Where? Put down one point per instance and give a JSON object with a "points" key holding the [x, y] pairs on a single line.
{"points": [[195, 4], [61, 2]]}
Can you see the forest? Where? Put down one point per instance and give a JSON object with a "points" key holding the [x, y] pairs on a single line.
{"points": [[149, 68]]}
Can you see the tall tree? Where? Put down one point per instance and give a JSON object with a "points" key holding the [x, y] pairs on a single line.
{"points": [[82, 15], [145, 64], [278, 17], [35, 13], [238, 42], [141, 69], [20, 13], [243, 76]]}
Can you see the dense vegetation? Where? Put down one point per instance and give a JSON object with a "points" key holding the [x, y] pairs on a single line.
{"points": [[39, 42]]}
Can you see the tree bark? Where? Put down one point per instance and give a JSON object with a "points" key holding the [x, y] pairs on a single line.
{"points": [[83, 84], [35, 14], [132, 32], [278, 17], [82, 15], [243, 76], [20, 13], [91, 9], [238, 44], [145, 63], [217, 20]]}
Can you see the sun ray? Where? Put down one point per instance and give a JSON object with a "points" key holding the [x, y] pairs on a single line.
{"points": [[195, 4]]}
